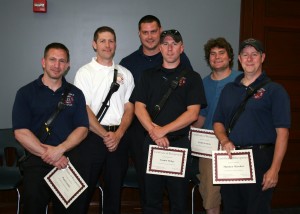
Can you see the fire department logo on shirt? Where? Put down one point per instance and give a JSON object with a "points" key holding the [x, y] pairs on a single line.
{"points": [[182, 81], [259, 94], [120, 78], [70, 100]]}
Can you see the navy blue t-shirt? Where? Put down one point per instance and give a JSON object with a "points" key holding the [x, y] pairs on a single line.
{"points": [[155, 82], [35, 102], [265, 111], [138, 62]]}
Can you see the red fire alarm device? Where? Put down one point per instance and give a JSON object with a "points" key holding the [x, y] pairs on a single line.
{"points": [[40, 6]]}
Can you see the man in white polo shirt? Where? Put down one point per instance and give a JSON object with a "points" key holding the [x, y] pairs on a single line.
{"points": [[105, 146]]}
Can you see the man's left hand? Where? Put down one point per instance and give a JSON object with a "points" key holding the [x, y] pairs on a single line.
{"points": [[270, 180], [112, 141], [52, 154]]}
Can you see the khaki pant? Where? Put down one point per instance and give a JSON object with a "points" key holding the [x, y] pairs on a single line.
{"points": [[210, 193]]}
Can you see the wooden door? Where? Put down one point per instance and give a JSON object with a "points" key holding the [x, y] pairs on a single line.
{"points": [[277, 24]]}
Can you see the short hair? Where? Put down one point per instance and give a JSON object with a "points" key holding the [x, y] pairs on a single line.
{"points": [[218, 43], [104, 29], [56, 45], [149, 19]]}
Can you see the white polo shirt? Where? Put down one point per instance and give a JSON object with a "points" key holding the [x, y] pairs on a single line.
{"points": [[95, 79]]}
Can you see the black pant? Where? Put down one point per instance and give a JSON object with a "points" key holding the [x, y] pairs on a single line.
{"points": [[94, 158], [249, 198], [177, 188], [136, 137], [37, 193]]}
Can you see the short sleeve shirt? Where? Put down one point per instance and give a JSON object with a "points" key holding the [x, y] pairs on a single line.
{"points": [[35, 102], [154, 84], [265, 111]]}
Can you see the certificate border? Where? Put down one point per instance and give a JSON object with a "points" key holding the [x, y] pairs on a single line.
{"points": [[251, 179], [49, 181], [205, 131], [173, 149]]}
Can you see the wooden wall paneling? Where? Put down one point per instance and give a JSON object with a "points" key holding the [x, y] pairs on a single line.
{"points": [[283, 8], [277, 24], [287, 191]]}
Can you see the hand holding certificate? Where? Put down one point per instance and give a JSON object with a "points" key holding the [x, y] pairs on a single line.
{"points": [[169, 161], [203, 142], [238, 170], [67, 184]]}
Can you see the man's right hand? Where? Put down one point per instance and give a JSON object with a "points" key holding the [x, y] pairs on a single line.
{"points": [[228, 146], [163, 142], [52, 154], [61, 163]]}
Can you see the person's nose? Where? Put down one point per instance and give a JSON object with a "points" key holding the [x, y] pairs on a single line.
{"points": [[56, 63], [249, 57], [149, 35]]}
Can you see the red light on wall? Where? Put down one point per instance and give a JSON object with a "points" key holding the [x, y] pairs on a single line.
{"points": [[40, 6]]}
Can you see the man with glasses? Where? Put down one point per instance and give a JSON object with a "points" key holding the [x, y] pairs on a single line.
{"points": [[263, 126], [170, 127], [147, 56]]}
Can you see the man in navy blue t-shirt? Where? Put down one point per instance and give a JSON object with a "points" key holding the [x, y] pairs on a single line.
{"points": [[147, 56], [170, 127], [34, 104], [263, 126]]}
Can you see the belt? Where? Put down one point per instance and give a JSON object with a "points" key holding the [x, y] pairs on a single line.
{"points": [[260, 146], [110, 128]]}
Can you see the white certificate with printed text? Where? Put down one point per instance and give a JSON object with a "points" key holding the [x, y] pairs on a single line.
{"points": [[238, 170], [203, 142], [66, 183], [169, 161]]}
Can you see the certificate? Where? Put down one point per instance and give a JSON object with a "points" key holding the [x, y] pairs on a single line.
{"points": [[238, 170], [169, 161], [66, 183], [203, 142]]}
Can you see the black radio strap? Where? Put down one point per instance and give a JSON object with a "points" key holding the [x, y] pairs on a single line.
{"points": [[45, 129], [173, 85], [105, 105], [241, 108]]}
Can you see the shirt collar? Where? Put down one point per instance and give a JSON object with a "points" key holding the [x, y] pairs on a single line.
{"points": [[153, 57], [259, 79], [98, 66], [41, 84]]}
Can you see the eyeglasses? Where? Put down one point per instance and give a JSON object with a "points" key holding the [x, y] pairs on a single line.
{"points": [[170, 32]]}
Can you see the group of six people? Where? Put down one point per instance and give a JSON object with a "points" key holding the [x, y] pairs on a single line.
{"points": [[100, 145]]}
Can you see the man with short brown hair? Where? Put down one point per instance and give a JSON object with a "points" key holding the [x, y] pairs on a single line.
{"points": [[105, 146], [171, 126]]}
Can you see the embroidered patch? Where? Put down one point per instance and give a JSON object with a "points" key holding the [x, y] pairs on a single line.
{"points": [[120, 78], [70, 100], [182, 81], [259, 94]]}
